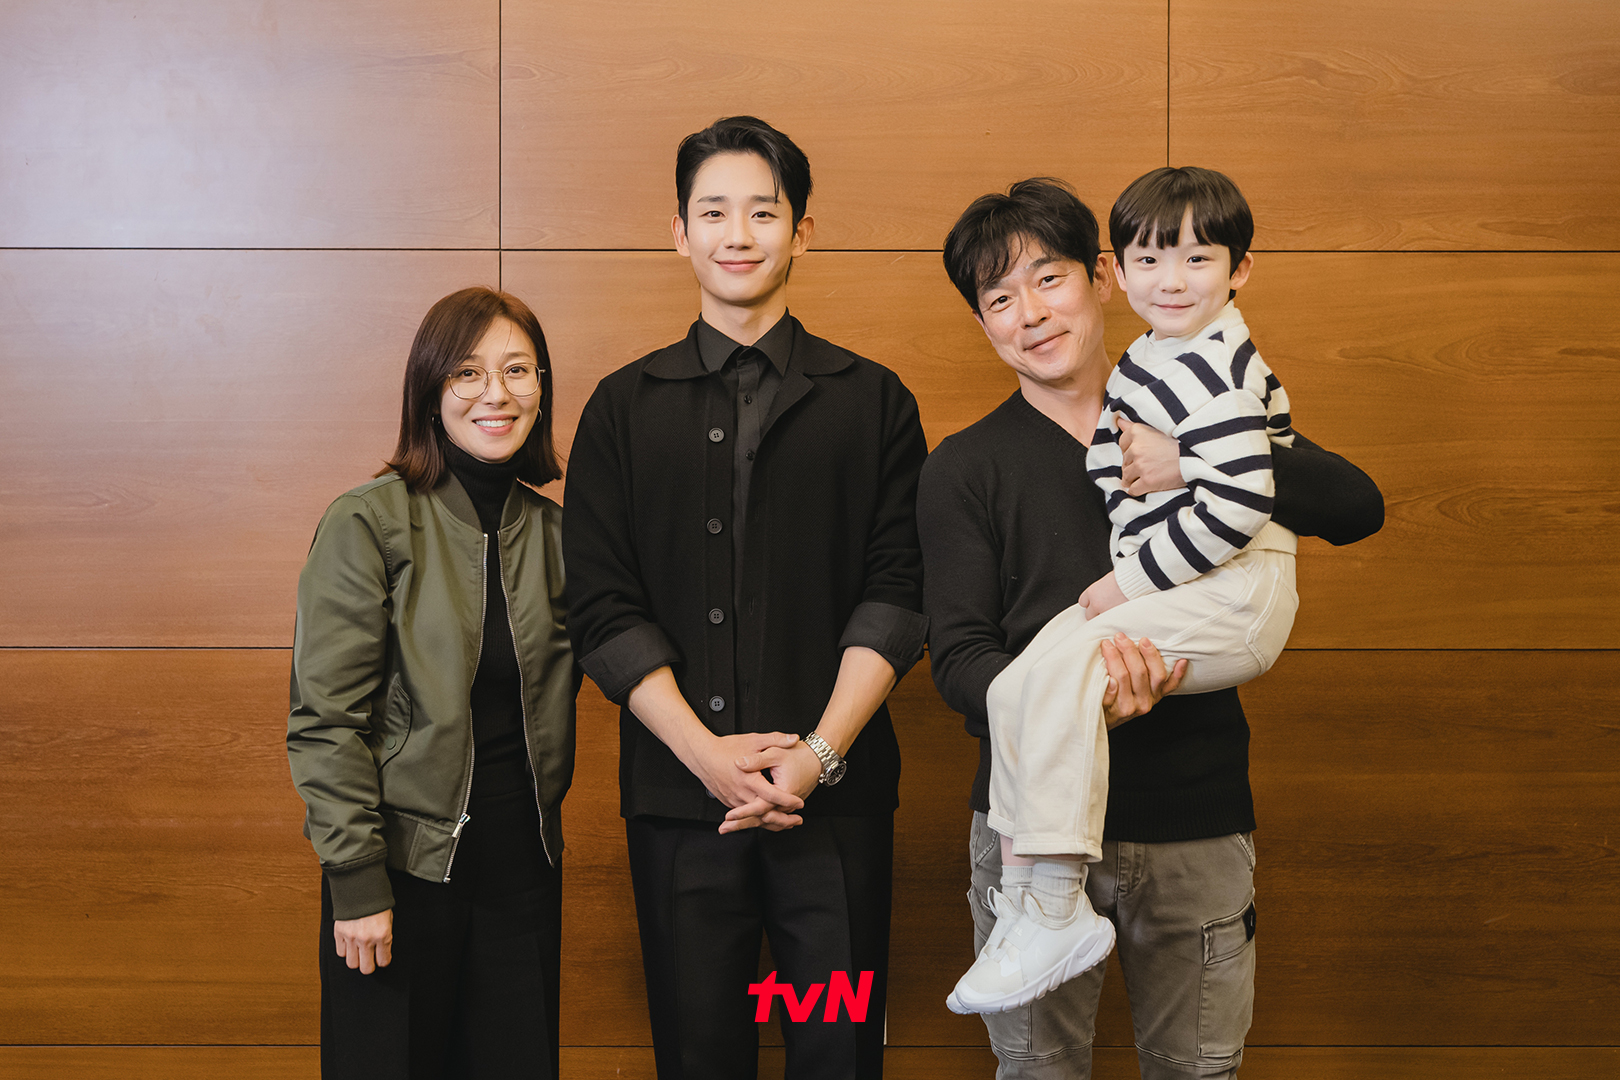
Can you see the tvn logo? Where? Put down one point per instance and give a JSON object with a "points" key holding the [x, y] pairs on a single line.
{"points": [[854, 999]]}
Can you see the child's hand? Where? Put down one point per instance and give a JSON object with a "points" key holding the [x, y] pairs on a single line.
{"points": [[1101, 595], [1152, 459]]}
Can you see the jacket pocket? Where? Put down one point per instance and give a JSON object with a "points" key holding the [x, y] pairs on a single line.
{"points": [[388, 738]]}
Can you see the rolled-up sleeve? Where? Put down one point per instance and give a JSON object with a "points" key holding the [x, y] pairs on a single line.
{"points": [[894, 633], [617, 665], [890, 619]]}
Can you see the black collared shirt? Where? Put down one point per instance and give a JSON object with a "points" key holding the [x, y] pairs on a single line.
{"points": [[755, 639], [752, 374]]}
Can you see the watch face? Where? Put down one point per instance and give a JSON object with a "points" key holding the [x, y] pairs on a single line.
{"points": [[836, 773]]}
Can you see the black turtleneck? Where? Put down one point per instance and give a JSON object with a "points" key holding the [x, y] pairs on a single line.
{"points": [[500, 756]]}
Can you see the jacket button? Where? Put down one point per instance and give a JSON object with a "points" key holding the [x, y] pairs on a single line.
{"points": [[716, 616], [717, 703], [717, 435], [391, 742], [714, 525]]}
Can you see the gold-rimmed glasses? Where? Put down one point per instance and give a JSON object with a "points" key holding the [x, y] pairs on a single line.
{"points": [[469, 381]]}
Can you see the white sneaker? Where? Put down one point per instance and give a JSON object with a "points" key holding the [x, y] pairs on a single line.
{"points": [[1008, 911], [1024, 958]]}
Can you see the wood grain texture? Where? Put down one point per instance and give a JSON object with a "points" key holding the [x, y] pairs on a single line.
{"points": [[1389, 124], [900, 1063], [158, 888], [173, 423], [907, 110], [1437, 848], [160, 1062], [1479, 391], [181, 123], [1436, 856]]}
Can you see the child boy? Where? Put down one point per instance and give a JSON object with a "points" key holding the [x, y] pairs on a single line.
{"points": [[1201, 570]]}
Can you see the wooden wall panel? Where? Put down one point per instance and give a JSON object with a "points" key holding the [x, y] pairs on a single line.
{"points": [[158, 889], [1429, 832], [907, 111], [170, 123], [1436, 848], [173, 423], [160, 1062], [1391, 124], [1479, 391]]}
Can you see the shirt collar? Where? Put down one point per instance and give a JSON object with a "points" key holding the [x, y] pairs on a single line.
{"points": [[715, 348]]}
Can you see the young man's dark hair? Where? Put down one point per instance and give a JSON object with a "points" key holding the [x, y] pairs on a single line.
{"points": [[745, 135], [986, 239], [1152, 208]]}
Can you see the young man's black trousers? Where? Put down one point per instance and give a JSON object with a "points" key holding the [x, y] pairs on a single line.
{"points": [[820, 891]]}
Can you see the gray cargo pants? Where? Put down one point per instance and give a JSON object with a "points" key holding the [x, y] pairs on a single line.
{"points": [[1184, 913]]}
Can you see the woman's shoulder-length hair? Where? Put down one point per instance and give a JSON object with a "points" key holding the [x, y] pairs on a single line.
{"points": [[450, 331]]}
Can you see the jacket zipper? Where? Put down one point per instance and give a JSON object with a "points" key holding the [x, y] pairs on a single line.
{"points": [[472, 743], [523, 712]]}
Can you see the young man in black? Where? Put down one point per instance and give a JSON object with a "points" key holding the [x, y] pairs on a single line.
{"points": [[745, 582], [1013, 530]]}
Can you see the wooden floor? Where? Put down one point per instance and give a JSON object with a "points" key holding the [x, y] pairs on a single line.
{"points": [[901, 1063]]}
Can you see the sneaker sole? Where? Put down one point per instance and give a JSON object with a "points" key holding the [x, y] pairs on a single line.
{"points": [[1072, 966]]}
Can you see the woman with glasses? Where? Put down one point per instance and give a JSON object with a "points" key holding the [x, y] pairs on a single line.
{"points": [[431, 733]]}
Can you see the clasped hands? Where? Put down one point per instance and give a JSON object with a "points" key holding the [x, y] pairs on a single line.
{"points": [[763, 777]]}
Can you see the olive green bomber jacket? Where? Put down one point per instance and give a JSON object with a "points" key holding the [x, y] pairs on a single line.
{"points": [[390, 624]]}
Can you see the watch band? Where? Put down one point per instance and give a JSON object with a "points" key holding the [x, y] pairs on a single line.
{"points": [[832, 766]]}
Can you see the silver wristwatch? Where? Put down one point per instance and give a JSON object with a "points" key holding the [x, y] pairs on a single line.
{"points": [[832, 766]]}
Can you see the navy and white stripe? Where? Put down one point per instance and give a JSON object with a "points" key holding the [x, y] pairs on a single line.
{"points": [[1215, 394]]}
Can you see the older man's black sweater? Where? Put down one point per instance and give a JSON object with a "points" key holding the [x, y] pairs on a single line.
{"points": [[1013, 531]]}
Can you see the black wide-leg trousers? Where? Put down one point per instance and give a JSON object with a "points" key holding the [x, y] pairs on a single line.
{"points": [[472, 990], [821, 892]]}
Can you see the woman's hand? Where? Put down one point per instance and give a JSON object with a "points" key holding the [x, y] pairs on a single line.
{"points": [[366, 943]]}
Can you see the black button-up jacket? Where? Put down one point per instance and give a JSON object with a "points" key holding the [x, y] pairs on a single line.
{"points": [[831, 558]]}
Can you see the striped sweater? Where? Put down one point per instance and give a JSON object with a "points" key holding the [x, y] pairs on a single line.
{"points": [[1217, 397]]}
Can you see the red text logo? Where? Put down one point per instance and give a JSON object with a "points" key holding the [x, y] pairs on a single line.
{"points": [[839, 992]]}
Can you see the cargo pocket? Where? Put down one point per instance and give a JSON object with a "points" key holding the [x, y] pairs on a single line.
{"points": [[1226, 996], [389, 738]]}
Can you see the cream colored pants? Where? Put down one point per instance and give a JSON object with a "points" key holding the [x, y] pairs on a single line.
{"points": [[1048, 740]]}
